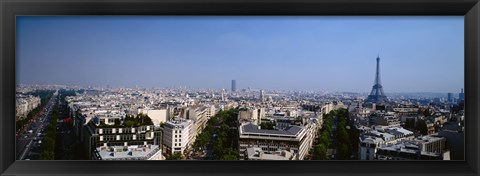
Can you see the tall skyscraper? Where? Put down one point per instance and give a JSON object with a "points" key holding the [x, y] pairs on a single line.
{"points": [[450, 97], [262, 95], [234, 85], [461, 96], [377, 95]]}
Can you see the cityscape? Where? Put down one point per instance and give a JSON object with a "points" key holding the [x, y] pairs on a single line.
{"points": [[165, 109]]}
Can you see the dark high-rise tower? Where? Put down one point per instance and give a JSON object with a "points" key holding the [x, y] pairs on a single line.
{"points": [[461, 96], [377, 95], [450, 97], [234, 85]]}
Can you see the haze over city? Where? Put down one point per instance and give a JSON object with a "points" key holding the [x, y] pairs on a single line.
{"points": [[240, 88], [418, 54]]}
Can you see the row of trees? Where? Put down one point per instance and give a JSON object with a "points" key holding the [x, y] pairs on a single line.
{"points": [[48, 143], [221, 133], [344, 147], [51, 148], [140, 120], [25, 121], [64, 113], [130, 121], [205, 136], [320, 149], [267, 125], [175, 156], [44, 95]]}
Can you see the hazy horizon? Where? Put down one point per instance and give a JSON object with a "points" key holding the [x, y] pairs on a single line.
{"points": [[335, 54]]}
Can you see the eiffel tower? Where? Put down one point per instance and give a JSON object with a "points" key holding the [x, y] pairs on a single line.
{"points": [[377, 95]]}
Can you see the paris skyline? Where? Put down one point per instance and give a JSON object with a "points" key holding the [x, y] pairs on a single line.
{"points": [[418, 54]]}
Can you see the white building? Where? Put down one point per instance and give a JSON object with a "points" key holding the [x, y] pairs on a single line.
{"points": [[371, 140], [176, 135], [295, 139], [157, 115], [425, 148], [249, 114], [25, 104], [199, 117], [256, 153], [132, 152]]}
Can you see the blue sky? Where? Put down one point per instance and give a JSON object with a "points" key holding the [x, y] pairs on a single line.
{"points": [[418, 54]]}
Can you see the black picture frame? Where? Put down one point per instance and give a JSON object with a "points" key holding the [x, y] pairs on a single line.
{"points": [[470, 9]]}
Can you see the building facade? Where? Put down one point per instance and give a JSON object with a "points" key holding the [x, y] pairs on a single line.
{"points": [[234, 85], [24, 104], [294, 139], [176, 135]]}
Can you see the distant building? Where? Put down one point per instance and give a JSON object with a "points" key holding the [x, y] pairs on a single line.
{"points": [[223, 95], [234, 85], [383, 119], [157, 115], [262, 95], [406, 110], [450, 98], [461, 96], [261, 114], [250, 114], [326, 108]]}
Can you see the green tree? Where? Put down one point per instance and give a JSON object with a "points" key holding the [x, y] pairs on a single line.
{"points": [[325, 138], [266, 126], [343, 152], [342, 135], [175, 156], [320, 152]]}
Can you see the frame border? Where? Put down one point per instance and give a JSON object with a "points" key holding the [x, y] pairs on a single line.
{"points": [[470, 9]]}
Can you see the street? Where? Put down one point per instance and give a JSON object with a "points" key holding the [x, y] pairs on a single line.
{"points": [[29, 142], [64, 134]]}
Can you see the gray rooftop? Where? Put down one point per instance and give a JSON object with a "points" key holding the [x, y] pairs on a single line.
{"points": [[132, 153], [252, 128]]}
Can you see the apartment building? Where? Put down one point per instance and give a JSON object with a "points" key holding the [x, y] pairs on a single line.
{"points": [[294, 139], [176, 135], [24, 104]]}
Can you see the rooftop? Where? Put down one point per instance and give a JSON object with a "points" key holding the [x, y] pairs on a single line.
{"points": [[255, 153], [254, 129], [408, 147], [132, 152]]}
